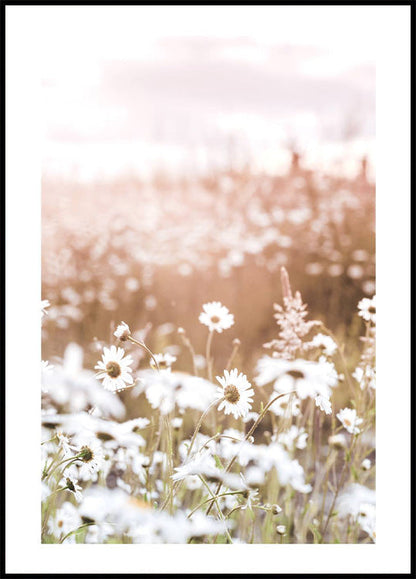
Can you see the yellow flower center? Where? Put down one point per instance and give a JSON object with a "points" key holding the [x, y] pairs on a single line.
{"points": [[86, 454], [113, 369], [231, 394]]}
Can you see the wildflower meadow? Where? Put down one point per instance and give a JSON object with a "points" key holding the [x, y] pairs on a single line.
{"points": [[208, 370]]}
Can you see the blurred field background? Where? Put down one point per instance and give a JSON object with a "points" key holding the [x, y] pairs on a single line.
{"points": [[152, 253]]}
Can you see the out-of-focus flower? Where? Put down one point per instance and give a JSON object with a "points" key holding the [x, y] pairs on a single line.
{"points": [[114, 369], [335, 269], [338, 441], [367, 309], [358, 501], [369, 286], [366, 464], [164, 361], [201, 463], [281, 529], [43, 305], [314, 268], [236, 393], [72, 388], [355, 271], [46, 367], [216, 316], [307, 378], [285, 406], [367, 519], [365, 376], [176, 423], [67, 519], [349, 420], [164, 390], [325, 343], [293, 438], [324, 404], [63, 443], [122, 332]]}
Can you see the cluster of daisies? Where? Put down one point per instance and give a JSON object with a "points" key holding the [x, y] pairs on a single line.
{"points": [[208, 453]]}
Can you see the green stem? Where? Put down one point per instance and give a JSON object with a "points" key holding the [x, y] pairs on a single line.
{"points": [[247, 436], [178, 483], [220, 513], [72, 458], [213, 499]]}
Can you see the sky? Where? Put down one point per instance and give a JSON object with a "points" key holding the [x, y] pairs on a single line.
{"points": [[184, 89]]}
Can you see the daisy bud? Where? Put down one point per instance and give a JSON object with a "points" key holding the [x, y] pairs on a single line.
{"points": [[176, 423], [281, 529], [236, 342], [122, 332], [250, 439], [366, 464], [276, 510], [181, 331]]}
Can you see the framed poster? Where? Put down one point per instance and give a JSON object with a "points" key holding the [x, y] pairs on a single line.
{"points": [[192, 196]]}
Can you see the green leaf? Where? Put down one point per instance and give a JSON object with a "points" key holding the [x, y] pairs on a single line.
{"points": [[218, 462]]}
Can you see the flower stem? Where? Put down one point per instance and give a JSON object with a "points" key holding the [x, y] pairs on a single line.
{"points": [[198, 426], [247, 436], [208, 354], [72, 458], [143, 345], [213, 498]]}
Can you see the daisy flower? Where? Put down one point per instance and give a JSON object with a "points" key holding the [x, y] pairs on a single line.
{"points": [[66, 519], [366, 464], [324, 404], [202, 463], [64, 445], [338, 441], [164, 361], [122, 332], [92, 456], [308, 379], [365, 376], [325, 343], [235, 392], [367, 309], [350, 421], [287, 405], [216, 316], [114, 369]]}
